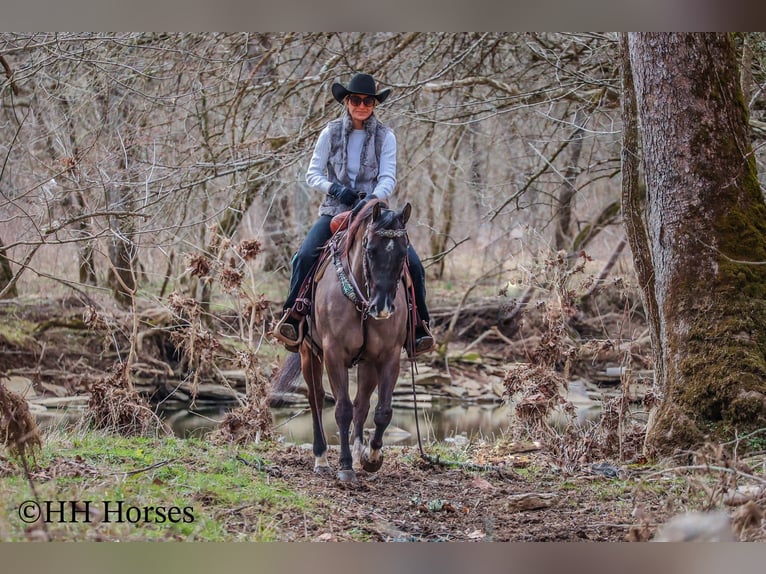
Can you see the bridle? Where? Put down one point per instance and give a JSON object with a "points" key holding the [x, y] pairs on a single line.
{"points": [[348, 282], [386, 234]]}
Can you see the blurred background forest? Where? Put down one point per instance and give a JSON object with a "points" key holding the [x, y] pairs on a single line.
{"points": [[147, 170]]}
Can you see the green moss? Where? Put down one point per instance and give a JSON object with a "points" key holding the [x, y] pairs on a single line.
{"points": [[723, 357], [742, 244], [745, 409], [672, 430], [715, 313], [16, 332]]}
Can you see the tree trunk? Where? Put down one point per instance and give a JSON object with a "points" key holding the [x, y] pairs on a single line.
{"points": [[705, 219], [122, 252], [274, 197], [277, 249], [634, 209], [6, 274], [440, 240], [74, 200], [567, 191]]}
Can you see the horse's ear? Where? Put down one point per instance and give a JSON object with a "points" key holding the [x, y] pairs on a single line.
{"points": [[376, 211], [406, 212]]}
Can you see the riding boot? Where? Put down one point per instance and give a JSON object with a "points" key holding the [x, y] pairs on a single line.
{"points": [[424, 339], [289, 329]]}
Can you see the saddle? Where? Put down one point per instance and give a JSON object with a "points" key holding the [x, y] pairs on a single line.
{"points": [[302, 307]]}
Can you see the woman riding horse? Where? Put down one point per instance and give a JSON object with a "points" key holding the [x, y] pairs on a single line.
{"points": [[354, 156], [358, 317]]}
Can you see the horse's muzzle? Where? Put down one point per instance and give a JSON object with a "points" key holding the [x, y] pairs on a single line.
{"points": [[382, 315], [385, 312]]}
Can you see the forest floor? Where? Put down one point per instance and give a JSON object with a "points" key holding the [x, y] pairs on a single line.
{"points": [[535, 484], [125, 488]]}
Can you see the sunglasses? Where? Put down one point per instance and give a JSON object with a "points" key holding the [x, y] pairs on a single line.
{"points": [[368, 101]]}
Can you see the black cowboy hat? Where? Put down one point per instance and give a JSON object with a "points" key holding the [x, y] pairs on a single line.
{"points": [[359, 84]]}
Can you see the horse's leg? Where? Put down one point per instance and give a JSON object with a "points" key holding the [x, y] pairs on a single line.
{"points": [[372, 458], [367, 381], [337, 372], [311, 365]]}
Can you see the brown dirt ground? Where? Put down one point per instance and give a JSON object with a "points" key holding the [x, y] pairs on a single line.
{"points": [[412, 499]]}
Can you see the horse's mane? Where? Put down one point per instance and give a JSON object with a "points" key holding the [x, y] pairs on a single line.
{"points": [[361, 218]]}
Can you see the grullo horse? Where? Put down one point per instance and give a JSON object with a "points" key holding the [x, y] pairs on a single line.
{"points": [[359, 316]]}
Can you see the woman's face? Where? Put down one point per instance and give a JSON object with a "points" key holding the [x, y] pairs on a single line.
{"points": [[360, 107]]}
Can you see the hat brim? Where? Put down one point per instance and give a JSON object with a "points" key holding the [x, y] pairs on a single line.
{"points": [[340, 92]]}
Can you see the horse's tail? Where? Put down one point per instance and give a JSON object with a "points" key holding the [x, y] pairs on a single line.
{"points": [[285, 380]]}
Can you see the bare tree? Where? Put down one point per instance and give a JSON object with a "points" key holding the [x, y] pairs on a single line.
{"points": [[217, 128]]}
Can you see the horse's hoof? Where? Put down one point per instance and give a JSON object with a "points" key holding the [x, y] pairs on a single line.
{"points": [[323, 470], [347, 476], [372, 465]]}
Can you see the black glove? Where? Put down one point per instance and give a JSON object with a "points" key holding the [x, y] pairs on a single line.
{"points": [[343, 194], [361, 203]]}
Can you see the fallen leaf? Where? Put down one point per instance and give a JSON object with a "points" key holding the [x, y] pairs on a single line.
{"points": [[324, 537], [481, 483], [530, 501]]}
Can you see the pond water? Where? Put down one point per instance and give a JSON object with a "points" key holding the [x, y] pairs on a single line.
{"points": [[439, 420]]}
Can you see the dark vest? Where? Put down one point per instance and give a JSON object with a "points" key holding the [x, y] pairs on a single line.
{"points": [[337, 161]]}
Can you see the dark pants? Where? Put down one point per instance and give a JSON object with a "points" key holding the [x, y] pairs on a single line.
{"points": [[309, 251], [418, 274]]}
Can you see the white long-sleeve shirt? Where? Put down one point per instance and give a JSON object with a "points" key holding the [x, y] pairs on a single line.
{"points": [[316, 175]]}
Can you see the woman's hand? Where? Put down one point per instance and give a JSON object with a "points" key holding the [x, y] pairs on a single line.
{"points": [[343, 194]]}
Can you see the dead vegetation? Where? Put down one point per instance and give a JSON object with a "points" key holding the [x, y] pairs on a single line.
{"points": [[611, 495], [116, 408], [251, 421], [182, 352], [536, 385], [129, 361], [18, 429]]}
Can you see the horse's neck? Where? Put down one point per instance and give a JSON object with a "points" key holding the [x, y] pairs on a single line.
{"points": [[356, 255]]}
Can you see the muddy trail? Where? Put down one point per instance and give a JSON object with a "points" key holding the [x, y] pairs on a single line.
{"points": [[413, 500]]}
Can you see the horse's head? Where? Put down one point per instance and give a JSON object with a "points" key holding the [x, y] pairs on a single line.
{"points": [[385, 251]]}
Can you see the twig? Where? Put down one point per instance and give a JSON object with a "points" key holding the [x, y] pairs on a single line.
{"points": [[437, 460], [707, 467], [493, 330], [200, 415], [146, 468], [228, 385], [295, 416], [722, 254]]}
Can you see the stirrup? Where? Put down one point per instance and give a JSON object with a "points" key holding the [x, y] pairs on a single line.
{"points": [[425, 343], [287, 333]]}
